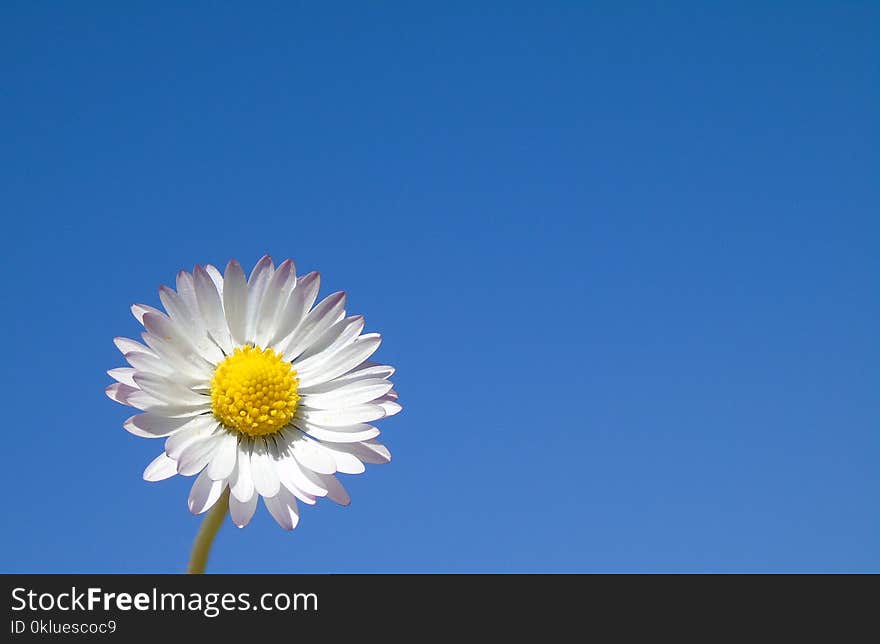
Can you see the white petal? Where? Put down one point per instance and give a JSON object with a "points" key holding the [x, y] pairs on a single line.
{"points": [[241, 483], [300, 300], [163, 327], [196, 455], [154, 426], [122, 393], [309, 454], [184, 361], [346, 462], [216, 277], [160, 468], [149, 363], [391, 407], [170, 343], [241, 511], [187, 291], [178, 308], [327, 313], [258, 282], [204, 493], [198, 429], [235, 302], [298, 492], [140, 310], [277, 291], [223, 461], [335, 491], [283, 509], [337, 336], [211, 308], [191, 323], [169, 392], [346, 434], [263, 472], [374, 452], [133, 397], [127, 345], [145, 363], [123, 375], [291, 473], [370, 451], [348, 395], [362, 372], [341, 362], [145, 402], [341, 417]]}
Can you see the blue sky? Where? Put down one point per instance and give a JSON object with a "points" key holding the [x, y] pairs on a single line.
{"points": [[624, 259]]}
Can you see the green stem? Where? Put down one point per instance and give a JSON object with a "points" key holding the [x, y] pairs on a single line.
{"points": [[210, 526]]}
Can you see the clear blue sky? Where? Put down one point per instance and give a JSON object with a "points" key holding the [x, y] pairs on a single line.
{"points": [[625, 260]]}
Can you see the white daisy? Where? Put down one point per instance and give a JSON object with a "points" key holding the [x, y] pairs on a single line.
{"points": [[255, 390]]}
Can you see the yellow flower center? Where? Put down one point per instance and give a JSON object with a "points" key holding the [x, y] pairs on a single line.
{"points": [[253, 391]]}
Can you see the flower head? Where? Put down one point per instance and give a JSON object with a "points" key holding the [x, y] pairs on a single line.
{"points": [[255, 389]]}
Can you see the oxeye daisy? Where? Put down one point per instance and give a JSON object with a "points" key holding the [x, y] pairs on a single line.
{"points": [[257, 391]]}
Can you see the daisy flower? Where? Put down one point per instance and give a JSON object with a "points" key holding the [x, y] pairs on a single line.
{"points": [[257, 391]]}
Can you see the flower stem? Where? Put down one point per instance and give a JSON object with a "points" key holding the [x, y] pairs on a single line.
{"points": [[210, 526]]}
